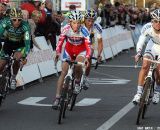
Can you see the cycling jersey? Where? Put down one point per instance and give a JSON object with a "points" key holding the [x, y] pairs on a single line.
{"points": [[75, 42], [147, 32], [96, 29], [20, 35]]}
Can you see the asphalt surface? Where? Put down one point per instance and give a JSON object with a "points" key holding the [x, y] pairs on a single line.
{"points": [[112, 87]]}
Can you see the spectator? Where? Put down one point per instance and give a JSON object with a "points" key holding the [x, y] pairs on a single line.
{"points": [[52, 27], [3, 8], [35, 5], [35, 17]]}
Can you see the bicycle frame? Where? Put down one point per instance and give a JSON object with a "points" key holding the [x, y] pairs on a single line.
{"points": [[71, 71]]}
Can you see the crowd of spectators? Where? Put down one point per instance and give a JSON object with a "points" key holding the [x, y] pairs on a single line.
{"points": [[122, 14]]}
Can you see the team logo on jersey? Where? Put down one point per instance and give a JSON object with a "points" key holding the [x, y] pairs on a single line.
{"points": [[85, 32], [98, 28], [27, 36]]}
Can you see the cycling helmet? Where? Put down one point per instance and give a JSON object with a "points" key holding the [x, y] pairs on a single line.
{"points": [[75, 15], [36, 13], [156, 14], [90, 14], [16, 13]]}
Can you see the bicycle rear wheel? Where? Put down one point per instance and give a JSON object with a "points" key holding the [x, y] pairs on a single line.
{"points": [[143, 103]]}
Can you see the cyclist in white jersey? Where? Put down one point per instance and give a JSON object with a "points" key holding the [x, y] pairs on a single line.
{"points": [[95, 32], [151, 30]]}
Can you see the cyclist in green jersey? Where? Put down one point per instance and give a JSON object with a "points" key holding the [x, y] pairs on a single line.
{"points": [[17, 38]]}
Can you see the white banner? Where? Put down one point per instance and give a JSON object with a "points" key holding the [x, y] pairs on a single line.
{"points": [[80, 4]]}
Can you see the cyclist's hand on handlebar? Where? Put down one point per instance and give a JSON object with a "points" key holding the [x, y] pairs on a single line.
{"points": [[87, 62], [56, 58], [24, 61], [99, 59], [137, 57]]}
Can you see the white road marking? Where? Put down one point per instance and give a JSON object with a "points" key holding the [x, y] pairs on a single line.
{"points": [[115, 118], [88, 101], [107, 81], [120, 66], [33, 101]]}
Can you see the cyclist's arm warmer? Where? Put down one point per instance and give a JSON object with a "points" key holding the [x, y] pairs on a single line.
{"points": [[88, 47], [143, 37], [98, 29], [27, 38], [140, 43], [62, 37], [2, 27]]}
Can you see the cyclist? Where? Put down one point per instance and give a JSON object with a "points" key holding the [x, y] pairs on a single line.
{"points": [[77, 48], [17, 38], [95, 31], [151, 30]]}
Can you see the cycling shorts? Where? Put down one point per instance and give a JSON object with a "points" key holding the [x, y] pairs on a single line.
{"points": [[152, 50], [72, 51], [8, 48]]}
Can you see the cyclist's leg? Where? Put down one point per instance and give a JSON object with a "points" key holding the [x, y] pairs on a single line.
{"points": [[144, 71], [78, 68], [16, 65], [61, 78], [89, 67], [78, 71], [2, 60], [18, 56], [60, 81]]}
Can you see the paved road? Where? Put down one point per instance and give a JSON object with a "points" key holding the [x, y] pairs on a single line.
{"points": [[105, 105]]}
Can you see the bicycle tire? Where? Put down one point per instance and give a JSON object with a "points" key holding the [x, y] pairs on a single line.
{"points": [[73, 101], [61, 109], [63, 105], [150, 97], [143, 100], [3, 85]]}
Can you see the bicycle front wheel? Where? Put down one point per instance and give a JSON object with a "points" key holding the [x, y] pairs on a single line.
{"points": [[143, 101], [73, 101], [63, 100], [3, 88]]}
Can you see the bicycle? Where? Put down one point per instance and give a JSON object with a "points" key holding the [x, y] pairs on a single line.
{"points": [[70, 91], [148, 90], [5, 79]]}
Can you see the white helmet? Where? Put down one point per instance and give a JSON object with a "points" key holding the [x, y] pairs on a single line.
{"points": [[156, 14], [75, 15]]}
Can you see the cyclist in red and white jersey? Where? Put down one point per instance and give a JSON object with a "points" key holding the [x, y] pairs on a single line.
{"points": [[152, 31], [77, 48]]}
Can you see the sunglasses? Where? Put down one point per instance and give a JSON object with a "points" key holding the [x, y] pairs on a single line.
{"points": [[156, 21], [14, 20]]}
